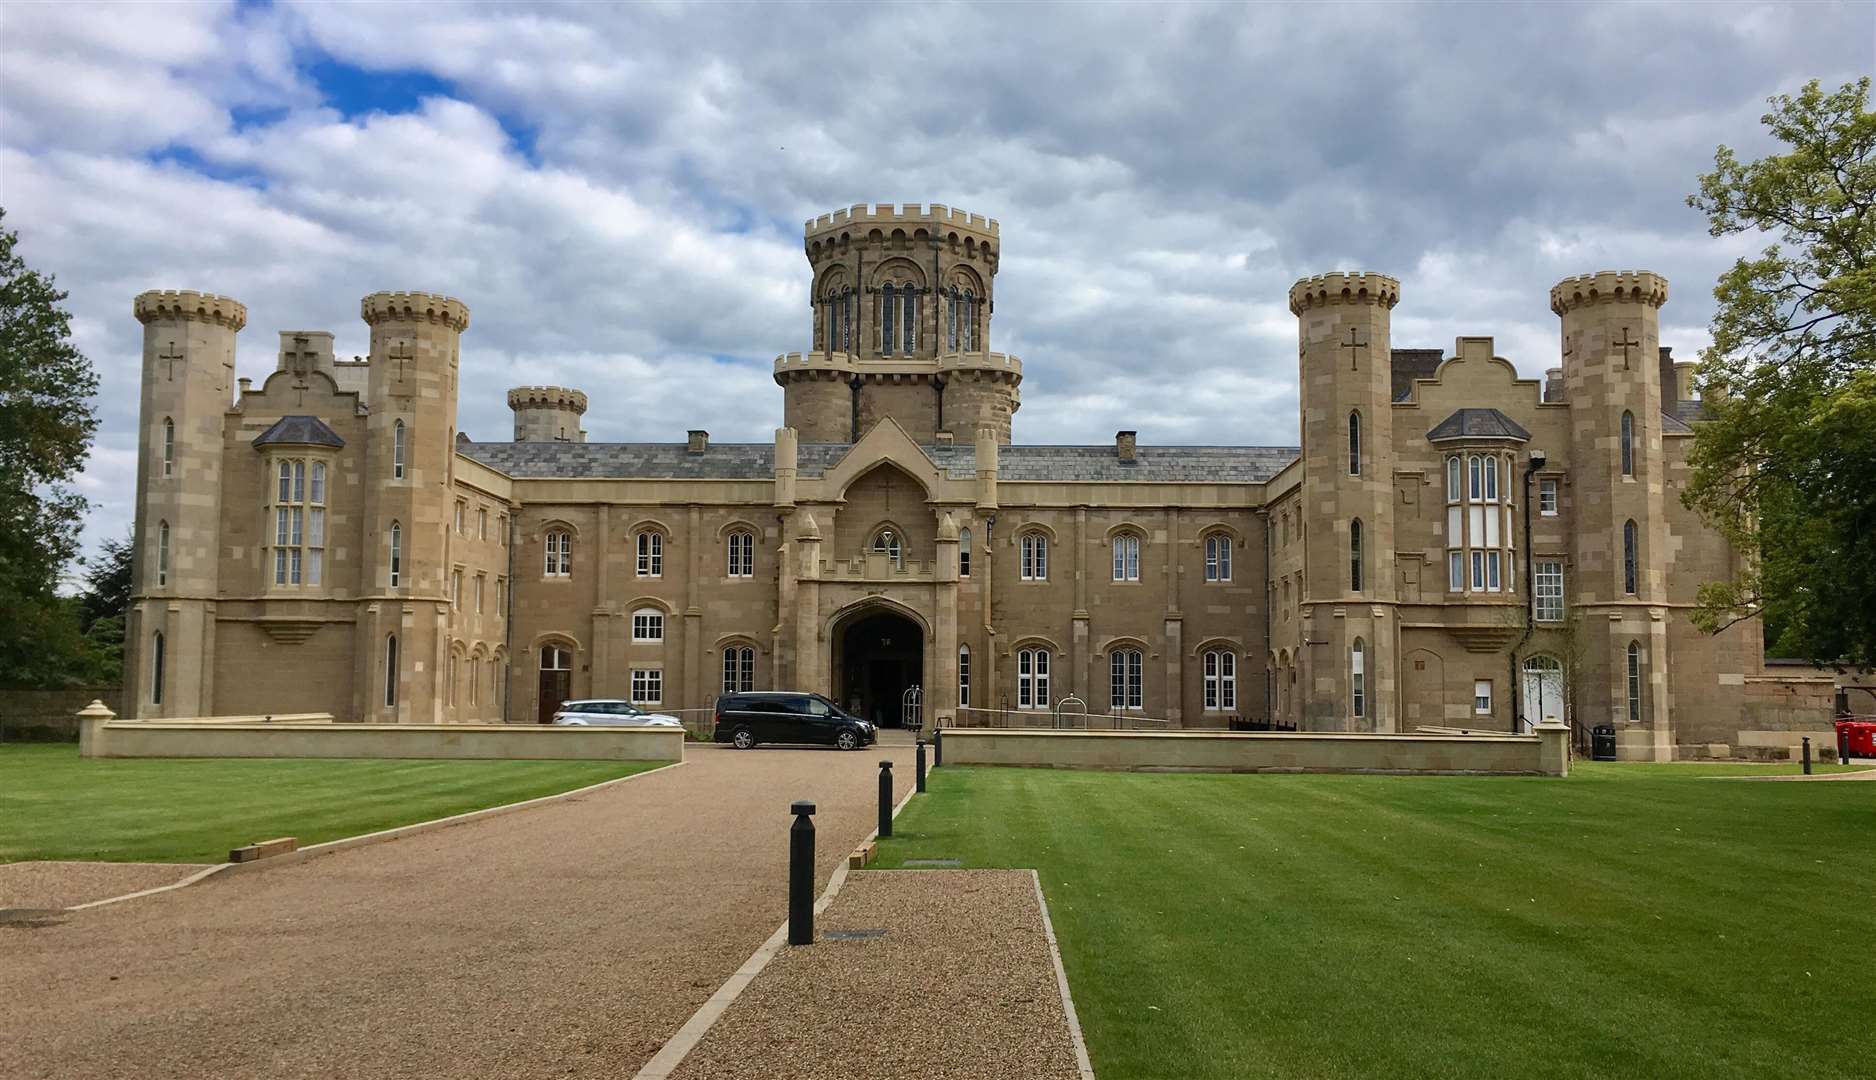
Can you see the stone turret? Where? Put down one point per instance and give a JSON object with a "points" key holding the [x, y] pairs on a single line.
{"points": [[188, 381], [1346, 376], [411, 431], [901, 301], [547, 413]]}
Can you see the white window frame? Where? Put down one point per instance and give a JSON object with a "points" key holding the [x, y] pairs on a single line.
{"points": [[1126, 557], [1482, 697], [162, 553], [648, 686], [739, 669], [296, 523], [1217, 557], [650, 545], [964, 676], [1221, 680], [1032, 678], [396, 562], [169, 446], [1035, 556], [1358, 679], [558, 549], [741, 545], [400, 450], [1632, 670], [647, 625], [964, 552], [1127, 683], [1547, 500], [1547, 601], [889, 543]]}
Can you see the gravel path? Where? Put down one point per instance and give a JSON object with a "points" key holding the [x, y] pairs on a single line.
{"points": [[54, 884], [961, 985], [568, 940]]}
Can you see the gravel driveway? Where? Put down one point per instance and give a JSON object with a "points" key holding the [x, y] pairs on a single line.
{"points": [[569, 940]]}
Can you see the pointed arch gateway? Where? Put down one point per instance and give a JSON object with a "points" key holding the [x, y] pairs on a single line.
{"points": [[879, 652]]}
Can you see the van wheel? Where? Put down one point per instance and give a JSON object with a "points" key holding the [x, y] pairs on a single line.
{"points": [[847, 740], [744, 740]]}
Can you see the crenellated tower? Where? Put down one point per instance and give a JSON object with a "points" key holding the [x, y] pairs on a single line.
{"points": [[188, 382], [411, 432], [901, 301], [1611, 371], [1345, 379], [547, 413]]}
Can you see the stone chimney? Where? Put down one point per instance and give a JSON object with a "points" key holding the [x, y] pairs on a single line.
{"points": [[944, 438], [1124, 446], [699, 441], [1553, 384], [1684, 379]]}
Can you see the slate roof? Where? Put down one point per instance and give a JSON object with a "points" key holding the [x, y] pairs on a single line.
{"points": [[756, 461], [1673, 425], [1478, 424], [1688, 412], [1406, 365], [299, 431]]}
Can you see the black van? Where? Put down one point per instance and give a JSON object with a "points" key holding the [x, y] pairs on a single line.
{"points": [[788, 716]]}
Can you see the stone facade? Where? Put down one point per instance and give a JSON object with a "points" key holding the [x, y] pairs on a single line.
{"points": [[329, 542]]}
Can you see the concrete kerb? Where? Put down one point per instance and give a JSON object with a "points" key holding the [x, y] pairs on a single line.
{"points": [[1082, 1060], [379, 837], [673, 1052]]}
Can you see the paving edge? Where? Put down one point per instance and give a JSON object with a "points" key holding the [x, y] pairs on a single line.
{"points": [[1082, 1061], [673, 1052], [379, 837]]}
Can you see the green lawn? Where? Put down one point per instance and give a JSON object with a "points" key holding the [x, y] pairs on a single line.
{"points": [[57, 805], [1631, 922]]}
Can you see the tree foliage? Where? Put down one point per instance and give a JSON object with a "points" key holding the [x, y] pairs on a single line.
{"points": [[46, 424], [1786, 468]]}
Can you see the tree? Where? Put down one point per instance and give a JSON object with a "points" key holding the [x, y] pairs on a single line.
{"points": [[102, 608], [1786, 469], [46, 424]]}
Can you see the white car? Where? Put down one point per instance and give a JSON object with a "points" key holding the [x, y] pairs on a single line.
{"points": [[609, 712]]}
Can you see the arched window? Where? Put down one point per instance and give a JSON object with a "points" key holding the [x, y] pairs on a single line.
{"points": [[970, 321], [397, 450], [1035, 561], [450, 683], [559, 552], [951, 320], [556, 658], [1358, 679], [647, 625], [162, 553], [739, 669], [886, 542], [1634, 682], [1354, 555], [1354, 444], [1452, 479], [159, 665], [888, 308], [475, 678], [1218, 557], [910, 322], [169, 446], [1126, 557], [742, 553], [846, 320], [650, 554], [390, 671], [1221, 680], [964, 553], [1032, 678], [1127, 688], [964, 676], [1628, 444], [397, 555], [1628, 557]]}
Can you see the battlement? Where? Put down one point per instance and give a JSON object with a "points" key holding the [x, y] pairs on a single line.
{"points": [[414, 307], [794, 362], [553, 397], [1609, 286], [1344, 287], [158, 305], [937, 215]]}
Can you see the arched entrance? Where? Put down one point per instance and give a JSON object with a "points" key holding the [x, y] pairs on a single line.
{"points": [[556, 681], [879, 654], [1543, 690]]}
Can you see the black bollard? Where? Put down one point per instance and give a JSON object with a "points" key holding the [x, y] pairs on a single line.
{"points": [[1807, 755], [801, 875], [937, 749], [918, 773], [1843, 745], [885, 798]]}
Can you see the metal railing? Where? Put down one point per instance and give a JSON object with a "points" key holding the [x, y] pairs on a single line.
{"points": [[1058, 718]]}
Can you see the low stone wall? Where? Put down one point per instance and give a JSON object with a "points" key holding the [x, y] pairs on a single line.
{"points": [[223, 737], [1543, 754], [47, 715]]}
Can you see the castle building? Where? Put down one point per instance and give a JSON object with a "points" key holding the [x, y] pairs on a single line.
{"points": [[1452, 546]]}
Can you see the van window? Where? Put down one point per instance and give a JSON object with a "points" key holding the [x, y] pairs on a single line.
{"points": [[817, 707]]}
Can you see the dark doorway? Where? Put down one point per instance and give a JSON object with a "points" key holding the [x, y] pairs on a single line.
{"points": [[882, 655], [556, 681]]}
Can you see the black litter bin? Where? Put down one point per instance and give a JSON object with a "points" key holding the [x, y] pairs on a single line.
{"points": [[1602, 743]]}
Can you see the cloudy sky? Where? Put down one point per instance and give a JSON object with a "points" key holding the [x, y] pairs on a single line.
{"points": [[617, 192]]}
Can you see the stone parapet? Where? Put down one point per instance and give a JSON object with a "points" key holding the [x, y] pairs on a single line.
{"points": [[547, 397], [851, 363], [1344, 287], [188, 305], [414, 307], [910, 213], [1609, 287]]}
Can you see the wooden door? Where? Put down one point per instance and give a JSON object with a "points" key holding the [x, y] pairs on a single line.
{"points": [[556, 683]]}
